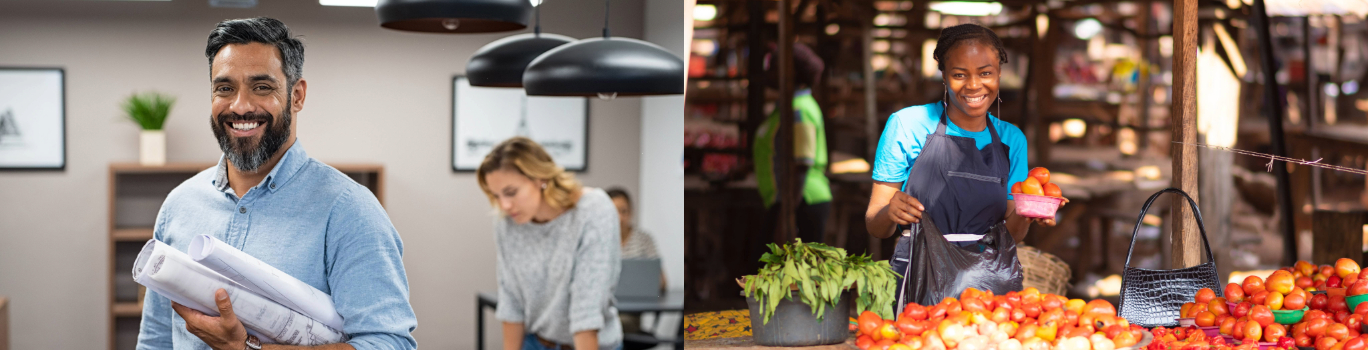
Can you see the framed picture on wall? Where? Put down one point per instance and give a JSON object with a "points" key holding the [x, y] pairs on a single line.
{"points": [[32, 119], [482, 117]]}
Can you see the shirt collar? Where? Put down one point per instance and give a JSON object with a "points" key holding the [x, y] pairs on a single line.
{"points": [[294, 159]]}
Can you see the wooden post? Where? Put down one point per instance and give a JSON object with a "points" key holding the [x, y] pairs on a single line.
{"points": [[788, 190], [1311, 98], [1187, 249], [1337, 235], [1043, 79], [1275, 106]]}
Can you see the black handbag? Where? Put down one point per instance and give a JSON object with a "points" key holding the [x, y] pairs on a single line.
{"points": [[1152, 298]]}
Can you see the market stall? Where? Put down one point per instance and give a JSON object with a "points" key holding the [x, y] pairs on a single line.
{"points": [[1139, 115]]}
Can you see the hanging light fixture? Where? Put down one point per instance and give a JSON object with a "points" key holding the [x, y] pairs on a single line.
{"points": [[605, 67], [453, 16], [501, 63]]}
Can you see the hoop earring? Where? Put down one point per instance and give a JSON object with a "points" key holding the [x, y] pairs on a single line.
{"points": [[945, 100]]}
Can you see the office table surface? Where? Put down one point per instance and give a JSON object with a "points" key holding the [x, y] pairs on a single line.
{"points": [[672, 300]]}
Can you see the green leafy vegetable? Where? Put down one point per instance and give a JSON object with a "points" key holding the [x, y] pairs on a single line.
{"points": [[819, 274]]}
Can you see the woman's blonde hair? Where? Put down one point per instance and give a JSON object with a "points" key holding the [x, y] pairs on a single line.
{"points": [[526, 157]]}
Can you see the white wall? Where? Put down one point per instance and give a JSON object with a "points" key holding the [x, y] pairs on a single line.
{"points": [[376, 96], [662, 147]]}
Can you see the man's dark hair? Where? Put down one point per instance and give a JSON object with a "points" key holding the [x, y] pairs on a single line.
{"points": [[260, 30], [964, 33], [618, 192]]}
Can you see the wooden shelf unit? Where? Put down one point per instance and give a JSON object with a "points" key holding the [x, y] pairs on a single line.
{"points": [[136, 192]]}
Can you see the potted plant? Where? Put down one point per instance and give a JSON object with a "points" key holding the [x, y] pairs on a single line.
{"points": [[801, 297], [149, 110]]}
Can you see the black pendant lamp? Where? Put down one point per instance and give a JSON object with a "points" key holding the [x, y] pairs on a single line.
{"points": [[453, 16], [501, 63], [605, 67]]}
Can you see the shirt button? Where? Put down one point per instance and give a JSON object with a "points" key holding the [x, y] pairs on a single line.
{"points": [[273, 186], [242, 210]]}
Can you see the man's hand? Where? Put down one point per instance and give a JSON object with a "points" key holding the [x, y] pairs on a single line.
{"points": [[224, 332]]}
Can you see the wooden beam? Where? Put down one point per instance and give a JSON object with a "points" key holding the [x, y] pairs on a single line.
{"points": [[1043, 79], [1146, 93], [788, 190], [1187, 249]]}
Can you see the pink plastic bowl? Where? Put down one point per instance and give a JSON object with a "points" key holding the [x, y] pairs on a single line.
{"points": [[1034, 206]]}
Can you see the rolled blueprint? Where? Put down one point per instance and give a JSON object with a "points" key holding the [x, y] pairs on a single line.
{"points": [[263, 279], [176, 276]]}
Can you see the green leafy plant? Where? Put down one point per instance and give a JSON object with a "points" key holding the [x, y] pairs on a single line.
{"points": [[820, 274], [149, 110]]}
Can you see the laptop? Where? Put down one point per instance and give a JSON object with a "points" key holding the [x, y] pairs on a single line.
{"points": [[640, 278]]}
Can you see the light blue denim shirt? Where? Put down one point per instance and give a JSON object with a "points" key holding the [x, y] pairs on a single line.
{"points": [[308, 220]]}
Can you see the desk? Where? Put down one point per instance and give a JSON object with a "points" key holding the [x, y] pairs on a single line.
{"points": [[672, 301]]}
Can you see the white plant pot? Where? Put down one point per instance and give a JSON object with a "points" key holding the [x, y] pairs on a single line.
{"points": [[153, 149]]}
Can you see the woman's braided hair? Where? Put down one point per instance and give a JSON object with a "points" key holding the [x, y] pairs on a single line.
{"points": [[968, 32]]}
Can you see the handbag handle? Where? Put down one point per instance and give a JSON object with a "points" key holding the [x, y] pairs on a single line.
{"points": [[1196, 213]]}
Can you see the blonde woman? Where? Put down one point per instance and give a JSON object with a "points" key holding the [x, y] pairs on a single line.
{"points": [[558, 255]]}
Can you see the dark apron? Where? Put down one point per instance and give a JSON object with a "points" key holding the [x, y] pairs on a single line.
{"points": [[964, 190]]}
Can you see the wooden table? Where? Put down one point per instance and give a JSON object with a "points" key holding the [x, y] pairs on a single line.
{"points": [[730, 329], [745, 343]]}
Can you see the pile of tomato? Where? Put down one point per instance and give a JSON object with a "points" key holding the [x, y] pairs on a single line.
{"points": [[979, 320]]}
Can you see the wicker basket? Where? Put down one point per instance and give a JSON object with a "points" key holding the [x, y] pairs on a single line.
{"points": [[1044, 271]]}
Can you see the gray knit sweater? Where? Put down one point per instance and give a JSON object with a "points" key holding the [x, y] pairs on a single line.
{"points": [[557, 278]]}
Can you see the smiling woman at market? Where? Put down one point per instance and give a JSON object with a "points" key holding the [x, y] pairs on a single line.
{"points": [[950, 163]]}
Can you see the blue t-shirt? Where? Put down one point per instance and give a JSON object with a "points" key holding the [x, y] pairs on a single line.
{"points": [[907, 129]]}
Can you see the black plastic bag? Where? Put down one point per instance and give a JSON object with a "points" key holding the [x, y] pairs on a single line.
{"points": [[938, 268]]}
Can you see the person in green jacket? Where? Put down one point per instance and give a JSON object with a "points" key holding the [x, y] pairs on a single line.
{"points": [[810, 150]]}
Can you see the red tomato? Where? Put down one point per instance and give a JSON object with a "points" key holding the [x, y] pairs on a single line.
{"points": [[1338, 331], [1355, 343], [973, 305], [1018, 315], [1261, 314], [1303, 341], [1052, 190], [1320, 302], [869, 323], [1205, 295], [1325, 343], [1253, 331], [1274, 332], [1234, 293], [915, 311], [1316, 326], [1099, 306], [1033, 309], [1042, 175], [863, 342], [1337, 304]]}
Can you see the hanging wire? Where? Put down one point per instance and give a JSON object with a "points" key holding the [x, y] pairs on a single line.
{"points": [[536, 31], [605, 19], [1273, 158]]}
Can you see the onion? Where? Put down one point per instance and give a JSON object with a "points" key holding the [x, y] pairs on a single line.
{"points": [[1010, 344], [1100, 342]]}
